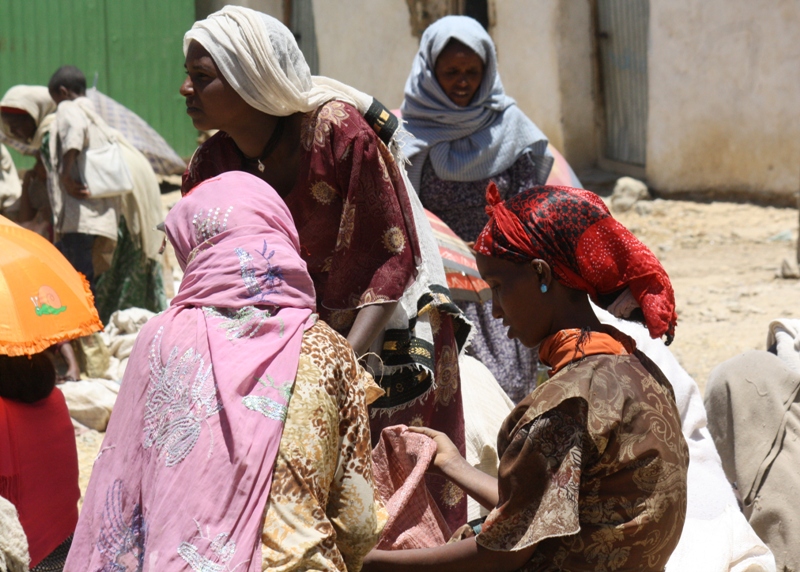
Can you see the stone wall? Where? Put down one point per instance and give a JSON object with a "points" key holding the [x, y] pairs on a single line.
{"points": [[724, 99]]}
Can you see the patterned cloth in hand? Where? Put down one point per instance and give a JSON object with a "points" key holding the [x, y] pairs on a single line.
{"points": [[400, 461]]}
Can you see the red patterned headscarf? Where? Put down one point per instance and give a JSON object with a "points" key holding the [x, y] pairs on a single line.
{"points": [[573, 231]]}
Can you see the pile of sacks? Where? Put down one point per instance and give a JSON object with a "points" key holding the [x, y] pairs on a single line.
{"points": [[105, 355]]}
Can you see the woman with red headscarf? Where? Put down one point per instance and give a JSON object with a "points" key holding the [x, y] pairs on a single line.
{"points": [[593, 462]]}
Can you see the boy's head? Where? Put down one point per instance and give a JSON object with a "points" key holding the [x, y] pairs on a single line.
{"points": [[67, 83]]}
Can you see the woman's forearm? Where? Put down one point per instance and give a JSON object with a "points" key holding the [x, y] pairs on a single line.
{"points": [[465, 555], [476, 483], [369, 322], [74, 188]]}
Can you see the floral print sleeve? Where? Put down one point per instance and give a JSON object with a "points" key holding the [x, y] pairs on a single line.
{"points": [[592, 470], [539, 481], [352, 213], [323, 512]]}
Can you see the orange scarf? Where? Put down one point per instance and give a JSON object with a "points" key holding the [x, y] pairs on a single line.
{"points": [[561, 349]]}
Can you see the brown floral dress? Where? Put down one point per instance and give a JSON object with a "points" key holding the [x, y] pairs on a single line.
{"points": [[593, 470], [323, 512]]}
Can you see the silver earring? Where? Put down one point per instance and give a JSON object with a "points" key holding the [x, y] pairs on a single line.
{"points": [[543, 288]]}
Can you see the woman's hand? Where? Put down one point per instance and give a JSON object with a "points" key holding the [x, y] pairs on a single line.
{"points": [[74, 188], [448, 461], [369, 323]]}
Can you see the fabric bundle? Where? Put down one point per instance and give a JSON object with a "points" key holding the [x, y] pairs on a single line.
{"points": [[400, 460]]}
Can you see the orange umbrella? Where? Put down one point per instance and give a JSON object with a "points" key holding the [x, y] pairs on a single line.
{"points": [[43, 299]]}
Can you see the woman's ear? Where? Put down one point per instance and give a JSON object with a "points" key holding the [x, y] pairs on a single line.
{"points": [[543, 271]]}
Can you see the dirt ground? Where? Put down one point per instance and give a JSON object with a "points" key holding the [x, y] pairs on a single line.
{"points": [[723, 259]]}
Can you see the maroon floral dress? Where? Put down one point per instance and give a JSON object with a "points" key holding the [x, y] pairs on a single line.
{"points": [[355, 235]]}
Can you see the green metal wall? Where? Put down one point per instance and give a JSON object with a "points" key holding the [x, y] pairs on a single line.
{"points": [[134, 47]]}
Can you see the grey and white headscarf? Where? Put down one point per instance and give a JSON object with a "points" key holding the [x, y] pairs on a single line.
{"points": [[464, 143]]}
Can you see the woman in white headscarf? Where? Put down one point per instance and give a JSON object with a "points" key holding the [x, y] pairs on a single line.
{"points": [[329, 151], [468, 132], [28, 112]]}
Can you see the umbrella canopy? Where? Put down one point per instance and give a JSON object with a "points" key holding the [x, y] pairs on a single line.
{"points": [[43, 299], [463, 278], [162, 157]]}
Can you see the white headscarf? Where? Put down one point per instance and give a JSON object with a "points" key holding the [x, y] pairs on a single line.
{"points": [[36, 101], [260, 59]]}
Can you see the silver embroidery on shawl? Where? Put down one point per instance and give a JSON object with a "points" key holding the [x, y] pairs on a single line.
{"points": [[177, 406], [268, 407], [220, 548], [242, 323], [121, 538], [260, 284], [248, 272], [208, 224]]}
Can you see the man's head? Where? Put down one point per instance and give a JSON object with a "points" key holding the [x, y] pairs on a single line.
{"points": [[67, 83]]}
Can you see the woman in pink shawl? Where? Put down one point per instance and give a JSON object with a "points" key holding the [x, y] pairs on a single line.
{"points": [[182, 481]]}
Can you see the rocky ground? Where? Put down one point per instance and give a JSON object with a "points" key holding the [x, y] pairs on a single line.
{"points": [[723, 259]]}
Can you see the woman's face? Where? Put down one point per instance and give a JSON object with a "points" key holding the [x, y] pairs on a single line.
{"points": [[517, 299], [21, 127], [459, 72], [210, 100]]}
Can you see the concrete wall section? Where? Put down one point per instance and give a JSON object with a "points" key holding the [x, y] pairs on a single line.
{"points": [[367, 44], [578, 83], [526, 36], [272, 7], [724, 87]]}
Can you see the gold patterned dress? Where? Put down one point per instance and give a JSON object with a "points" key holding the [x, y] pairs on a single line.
{"points": [[323, 512], [593, 466]]}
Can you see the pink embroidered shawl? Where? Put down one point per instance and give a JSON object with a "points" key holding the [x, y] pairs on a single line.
{"points": [[184, 473]]}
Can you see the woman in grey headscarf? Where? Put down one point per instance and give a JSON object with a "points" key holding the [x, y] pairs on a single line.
{"points": [[469, 132]]}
